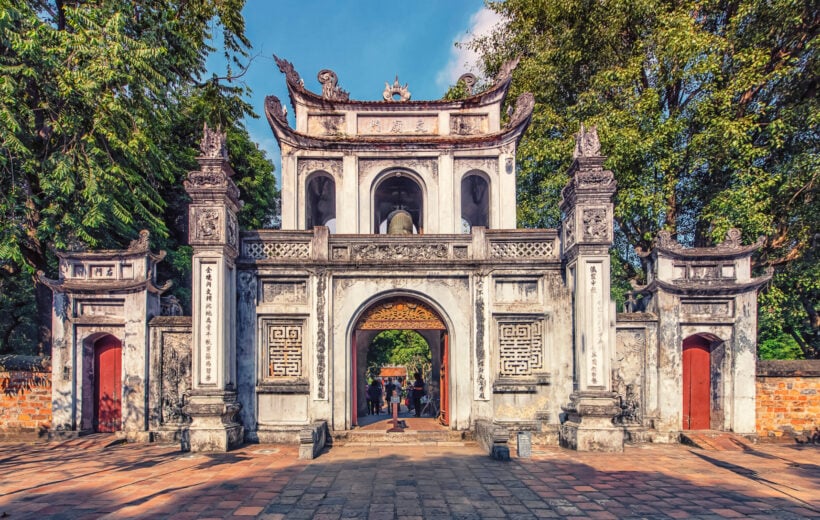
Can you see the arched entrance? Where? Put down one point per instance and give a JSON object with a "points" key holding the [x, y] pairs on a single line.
{"points": [[402, 313], [107, 384], [697, 383]]}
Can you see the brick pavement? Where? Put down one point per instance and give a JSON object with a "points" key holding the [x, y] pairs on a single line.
{"points": [[94, 478]]}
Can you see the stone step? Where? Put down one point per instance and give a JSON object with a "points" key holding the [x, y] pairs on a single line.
{"points": [[716, 440], [408, 437]]}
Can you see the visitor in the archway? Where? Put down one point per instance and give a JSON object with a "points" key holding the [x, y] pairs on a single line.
{"points": [[374, 396], [418, 393]]}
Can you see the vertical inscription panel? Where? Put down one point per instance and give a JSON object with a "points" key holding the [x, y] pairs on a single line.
{"points": [[520, 347], [595, 315], [208, 279], [283, 349]]}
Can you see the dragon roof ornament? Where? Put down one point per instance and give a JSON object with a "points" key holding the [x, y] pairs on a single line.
{"points": [[330, 90], [506, 70], [286, 68]]}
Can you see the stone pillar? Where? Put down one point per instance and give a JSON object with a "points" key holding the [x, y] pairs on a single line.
{"points": [[587, 236], [214, 234]]}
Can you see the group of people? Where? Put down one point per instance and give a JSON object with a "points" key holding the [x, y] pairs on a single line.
{"points": [[379, 394]]}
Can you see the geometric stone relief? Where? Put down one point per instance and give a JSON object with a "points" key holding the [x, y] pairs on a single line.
{"points": [[266, 250], [520, 347], [175, 381], [399, 251], [283, 343], [284, 291], [523, 249], [595, 224], [630, 347]]}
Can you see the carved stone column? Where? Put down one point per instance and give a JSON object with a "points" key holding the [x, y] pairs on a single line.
{"points": [[586, 237], [214, 234]]}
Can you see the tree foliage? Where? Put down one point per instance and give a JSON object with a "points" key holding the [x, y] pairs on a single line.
{"points": [[399, 348], [707, 111], [101, 111]]}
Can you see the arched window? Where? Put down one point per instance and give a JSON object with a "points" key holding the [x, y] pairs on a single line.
{"points": [[475, 202], [397, 193], [320, 202]]}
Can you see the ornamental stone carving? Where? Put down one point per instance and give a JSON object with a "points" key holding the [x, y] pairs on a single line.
{"points": [[569, 231], [506, 70], [208, 224], [481, 380], [399, 313], [468, 124], [287, 68], [395, 90], [523, 109], [587, 143], [399, 251], [469, 81], [321, 286], [596, 225], [307, 166], [212, 144], [367, 166], [330, 90]]}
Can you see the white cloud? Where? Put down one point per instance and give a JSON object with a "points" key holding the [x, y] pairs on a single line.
{"points": [[462, 59]]}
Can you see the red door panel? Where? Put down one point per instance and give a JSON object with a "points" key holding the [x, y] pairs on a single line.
{"points": [[108, 384], [444, 387], [354, 420], [696, 384]]}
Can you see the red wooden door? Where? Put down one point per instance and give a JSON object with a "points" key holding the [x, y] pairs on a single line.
{"points": [[355, 418], [444, 379], [696, 384], [108, 384]]}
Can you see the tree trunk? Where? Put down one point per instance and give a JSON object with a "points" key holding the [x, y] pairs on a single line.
{"points": [[44, 299]]}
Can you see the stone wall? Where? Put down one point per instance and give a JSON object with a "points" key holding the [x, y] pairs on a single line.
{"points": [[25, 401], [788, 398]]}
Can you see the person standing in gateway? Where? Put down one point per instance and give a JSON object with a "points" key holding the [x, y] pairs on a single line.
{"points": [[418, 392]]}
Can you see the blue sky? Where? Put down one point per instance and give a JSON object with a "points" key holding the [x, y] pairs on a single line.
{"points": [[365, 42]]}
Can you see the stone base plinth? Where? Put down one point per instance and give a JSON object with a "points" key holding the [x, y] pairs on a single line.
{"points": [[213, 424], [589, 425]]}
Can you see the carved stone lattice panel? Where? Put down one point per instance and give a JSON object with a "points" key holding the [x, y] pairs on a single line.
{"points": [[284, 345], [399, 251], [542, 249], [469, 124], [321, 287], [332, 166], [569, 231], [520, 347], [326, 124], [399, 313], [467, 164], [175, 376], [368, 166], [595, 224], [271, 250]]}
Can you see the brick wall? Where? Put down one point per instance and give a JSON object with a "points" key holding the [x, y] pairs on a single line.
{"points": [[25, 397], [788, 398]]}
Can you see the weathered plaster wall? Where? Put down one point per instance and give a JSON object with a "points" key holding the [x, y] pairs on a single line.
{"points": [[25, 401], [788, 398]]}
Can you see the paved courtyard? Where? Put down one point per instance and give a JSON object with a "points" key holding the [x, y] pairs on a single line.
{"points": [[97, 478]]}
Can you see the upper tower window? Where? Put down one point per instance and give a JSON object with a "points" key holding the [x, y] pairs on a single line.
{"points": [[397, 192], [475, 201], [320, 207]]}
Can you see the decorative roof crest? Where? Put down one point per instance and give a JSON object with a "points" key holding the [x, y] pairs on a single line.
{"points": [[275, 108], [524, 105], [330, 91], [469, 80], [286, 68], [506, 70], [212, 144], [395, 90], [587, 143]]}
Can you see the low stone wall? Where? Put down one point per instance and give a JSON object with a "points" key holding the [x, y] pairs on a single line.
{"points": [[25, 397], [788, 399]]}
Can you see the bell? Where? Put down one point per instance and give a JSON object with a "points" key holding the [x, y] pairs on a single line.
{"points": [[401, 223]]}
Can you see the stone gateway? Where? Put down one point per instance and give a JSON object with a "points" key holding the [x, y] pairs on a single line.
{"points": [[401, 215]]}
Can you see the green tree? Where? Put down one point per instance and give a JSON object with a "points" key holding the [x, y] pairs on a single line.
{"points": [[707, 111], [399, 348], [101, 109]]}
